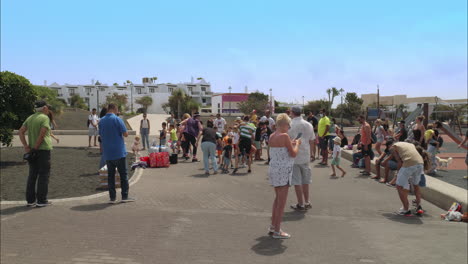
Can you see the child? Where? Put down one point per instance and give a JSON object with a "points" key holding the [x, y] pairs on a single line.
{"points": [[174, 138], [227, 156], [162, 135], [235, 143], [336, 156], [136, 147]]}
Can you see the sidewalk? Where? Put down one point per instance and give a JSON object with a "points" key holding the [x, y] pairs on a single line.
{"points": [[182, 216]]}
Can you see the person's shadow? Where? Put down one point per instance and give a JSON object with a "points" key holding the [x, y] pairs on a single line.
{"points": [[268, 246], [92, 207], [293, 215], [15, 210]]}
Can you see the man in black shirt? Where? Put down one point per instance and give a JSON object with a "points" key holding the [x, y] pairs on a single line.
{"points": [[402, 134], [313, 120]]}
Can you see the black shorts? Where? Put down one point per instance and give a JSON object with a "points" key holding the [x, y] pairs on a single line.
{"points": [[245, 145], [323, 142], [368, 151]]}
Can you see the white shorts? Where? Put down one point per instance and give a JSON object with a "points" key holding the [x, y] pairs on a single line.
{"points": [[409, 175], [92, 131], [301, 174]]}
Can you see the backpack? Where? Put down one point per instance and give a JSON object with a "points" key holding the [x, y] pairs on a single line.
{"points": [[373, 138], [87, 123]]}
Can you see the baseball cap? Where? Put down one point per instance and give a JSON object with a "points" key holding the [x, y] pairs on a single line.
{"points": [[296, 109]]}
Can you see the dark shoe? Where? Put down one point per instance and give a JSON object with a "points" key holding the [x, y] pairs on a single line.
{"points": [[44, 204], [128, 200], [249, 171], [195, 160], [402, 212], [308, 206], [234, 171], [31, 204], [298, 207]]}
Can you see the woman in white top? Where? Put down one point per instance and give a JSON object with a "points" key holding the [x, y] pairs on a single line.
{"points": [[379, 134], [282, 153], [144, 131]]}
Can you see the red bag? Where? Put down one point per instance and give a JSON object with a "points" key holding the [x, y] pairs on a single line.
{"points": [[162, 159], [145, 159], [153, 160]]}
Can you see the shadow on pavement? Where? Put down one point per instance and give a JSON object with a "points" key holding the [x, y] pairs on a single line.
{"points": [[293, 216], [203, 175], [268, 246], [15, 210], [92, 207], [410, 220], [239, 174]]}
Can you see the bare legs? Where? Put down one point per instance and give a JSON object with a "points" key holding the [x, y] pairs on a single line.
{"points": [[278, 206], [302, 193]]}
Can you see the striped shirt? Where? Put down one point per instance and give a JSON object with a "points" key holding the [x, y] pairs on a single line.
{"points": [[246, 130]]}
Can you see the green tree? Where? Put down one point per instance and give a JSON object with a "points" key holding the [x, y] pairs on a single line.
{"points": [[145, 101], [115, 84], [180, 103], [316, 106], [352, 107], [332, 93], [97, 83], [50, 96], [120, 100], [256, 101], [77, 101], [16, 104]]}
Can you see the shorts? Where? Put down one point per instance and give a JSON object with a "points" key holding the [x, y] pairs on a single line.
{"points": [[173, 144], [335, 161], [323, 143], [245, 146], [226, 161], [92, 131], [367, 152], [380, 139], [393, 165], [258, 144], [422, 182], [408, 175], [220, 152], [301, 174]]}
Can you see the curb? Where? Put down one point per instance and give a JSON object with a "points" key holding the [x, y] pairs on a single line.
{"points": [[437, 192], [75, 132], [135, 178]]}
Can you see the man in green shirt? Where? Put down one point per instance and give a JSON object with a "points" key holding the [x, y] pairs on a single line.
{"points": [[323, 134], [39, 146]]}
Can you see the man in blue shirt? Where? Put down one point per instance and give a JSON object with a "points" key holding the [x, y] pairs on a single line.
{"points": [[112, 131]]}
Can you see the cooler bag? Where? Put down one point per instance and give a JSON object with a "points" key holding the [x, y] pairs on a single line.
{"points": [[162, 159], [153, 160], [173, 159], [145, 159]]}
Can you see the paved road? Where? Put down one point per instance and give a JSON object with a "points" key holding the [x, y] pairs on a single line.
{"points": [[182, 216]]}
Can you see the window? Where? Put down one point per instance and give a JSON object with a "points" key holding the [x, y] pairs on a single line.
{"points": [[151, 90], [103, 89], [88, 90], [190, 89], [139, 90], [87, 100], [171, 89], [69, 101], [71, 91], [203, 89], [204, 100]]}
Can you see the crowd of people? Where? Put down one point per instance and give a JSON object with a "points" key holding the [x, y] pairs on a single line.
{"points": [[291, 143]]}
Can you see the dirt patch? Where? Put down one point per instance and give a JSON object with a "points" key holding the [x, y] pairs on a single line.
{"points": [[73, 173]]}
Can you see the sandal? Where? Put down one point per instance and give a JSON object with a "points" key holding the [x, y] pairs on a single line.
{"points": [[383, 181], [375, 177], [365, 173], [281, 235]]}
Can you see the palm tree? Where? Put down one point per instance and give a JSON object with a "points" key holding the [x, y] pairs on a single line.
{"points": [[154, 79], [178, 96], [332, 93]]}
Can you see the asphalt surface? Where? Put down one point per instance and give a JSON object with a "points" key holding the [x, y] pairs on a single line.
{"points": [[183, 216]]}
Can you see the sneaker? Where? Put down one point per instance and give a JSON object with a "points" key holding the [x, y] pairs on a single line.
{"points": [[234, 171], [44, 204], [128, 200], [298, 207], [419, 210], [308, 206], [404, 212], [31, 204], [195, 160], [112, 201], [215, 172], [249, 171]]}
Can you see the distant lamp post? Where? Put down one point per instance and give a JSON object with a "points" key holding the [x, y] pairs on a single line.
{"points": [[436, 99], [131, 94], [341, 112], [303, 105], [271, 101]]}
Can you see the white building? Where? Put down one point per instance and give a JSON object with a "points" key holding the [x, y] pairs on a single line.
{"points": [[95, 95]]}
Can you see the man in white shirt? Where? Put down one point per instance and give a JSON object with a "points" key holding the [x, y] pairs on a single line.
{"points": [[220, 123], [271, 121], [93, 121], [302, 174]]}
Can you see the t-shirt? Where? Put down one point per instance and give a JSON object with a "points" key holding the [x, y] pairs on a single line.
{"points": [[322, 125], [246, 130], [34, 123], [111, 128], [365, 136], [144, 123], [93, 119], [258, 134], [220, 123], [313, 121], [174, 135], [227, 151], [336, 151], [299, 125], [344, 142], [235, 138], [408, 154], [209, 135], [404, 134], [428, 134], [191, 127]]}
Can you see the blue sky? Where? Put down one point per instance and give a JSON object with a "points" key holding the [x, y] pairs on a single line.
{"points": [[297, 48]]}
